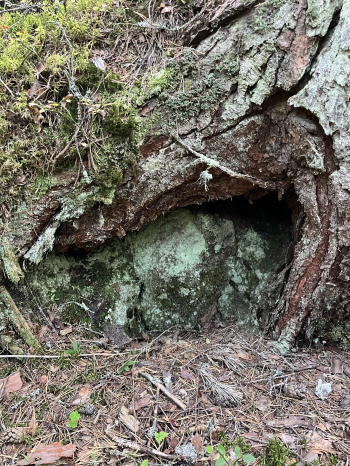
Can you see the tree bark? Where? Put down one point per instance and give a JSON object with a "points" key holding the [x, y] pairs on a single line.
{"points": [[272, 115]]}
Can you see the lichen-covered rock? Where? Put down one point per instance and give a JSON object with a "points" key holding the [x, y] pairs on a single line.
{"points": [[180, 269]]}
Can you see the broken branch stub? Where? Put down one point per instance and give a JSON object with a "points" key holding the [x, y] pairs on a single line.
{"points": [[17, 319]]}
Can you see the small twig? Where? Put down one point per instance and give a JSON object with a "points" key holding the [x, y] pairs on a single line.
{"points": [[163, 27], [4, 84], [156, 406], [17, 319], [161, 387], [63, 151], [136, 447], [213, 163], [45, 356]]}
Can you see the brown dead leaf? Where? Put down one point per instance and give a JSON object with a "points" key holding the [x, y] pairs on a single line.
{"points": [[43, 380], [318, 444], [21, 181], [197, 442], [40, 67], [34, 90], [128, 420], [66, 330], [82, 396], [291, 421], [243, 356], [263, 404], [187, 375], [12, 383], [173, 443], [144, 110], [33, 425], [142, 403], [44, 329], [288, 439], [48, 454]]}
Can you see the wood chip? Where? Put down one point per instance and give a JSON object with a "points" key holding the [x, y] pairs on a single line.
{"points": [[336, 367], [291, 421], [128, 420]]}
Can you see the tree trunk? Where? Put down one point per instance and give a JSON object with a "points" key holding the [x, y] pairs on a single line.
{"points": [[262, 106]]}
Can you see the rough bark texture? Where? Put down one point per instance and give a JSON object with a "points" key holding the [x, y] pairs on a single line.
{"points": [[265, 98]]}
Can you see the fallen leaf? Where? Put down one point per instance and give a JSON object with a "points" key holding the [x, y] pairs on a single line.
{"points": [[43, 380], [197, 442], [173, 443], [288, 439], [51, 316], [66, 330], [187, 375], [128, 420], [33, 425], [263, 403], [318, 444], [34, 90], [21, 181], [40, 67], [12, 383], [309, 458], [173, 423], [44, 329], [142, 403], [243, 356], [82, 396], [47, 454], [291, 421]]}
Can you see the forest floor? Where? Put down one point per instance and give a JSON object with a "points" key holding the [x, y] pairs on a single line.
{"points": [[216, 397]]}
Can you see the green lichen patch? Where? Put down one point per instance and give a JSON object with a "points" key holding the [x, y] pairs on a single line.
{"points": [[175, 271]]}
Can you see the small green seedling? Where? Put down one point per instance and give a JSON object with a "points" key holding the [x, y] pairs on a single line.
{"points": [[126, 367], [75, 351], [224, 459], [73, 419], [160, 436], [247, 459]]}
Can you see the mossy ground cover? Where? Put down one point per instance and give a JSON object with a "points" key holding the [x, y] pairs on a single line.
{"points": [[67, 67], [269, 423], [88, 67]]}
